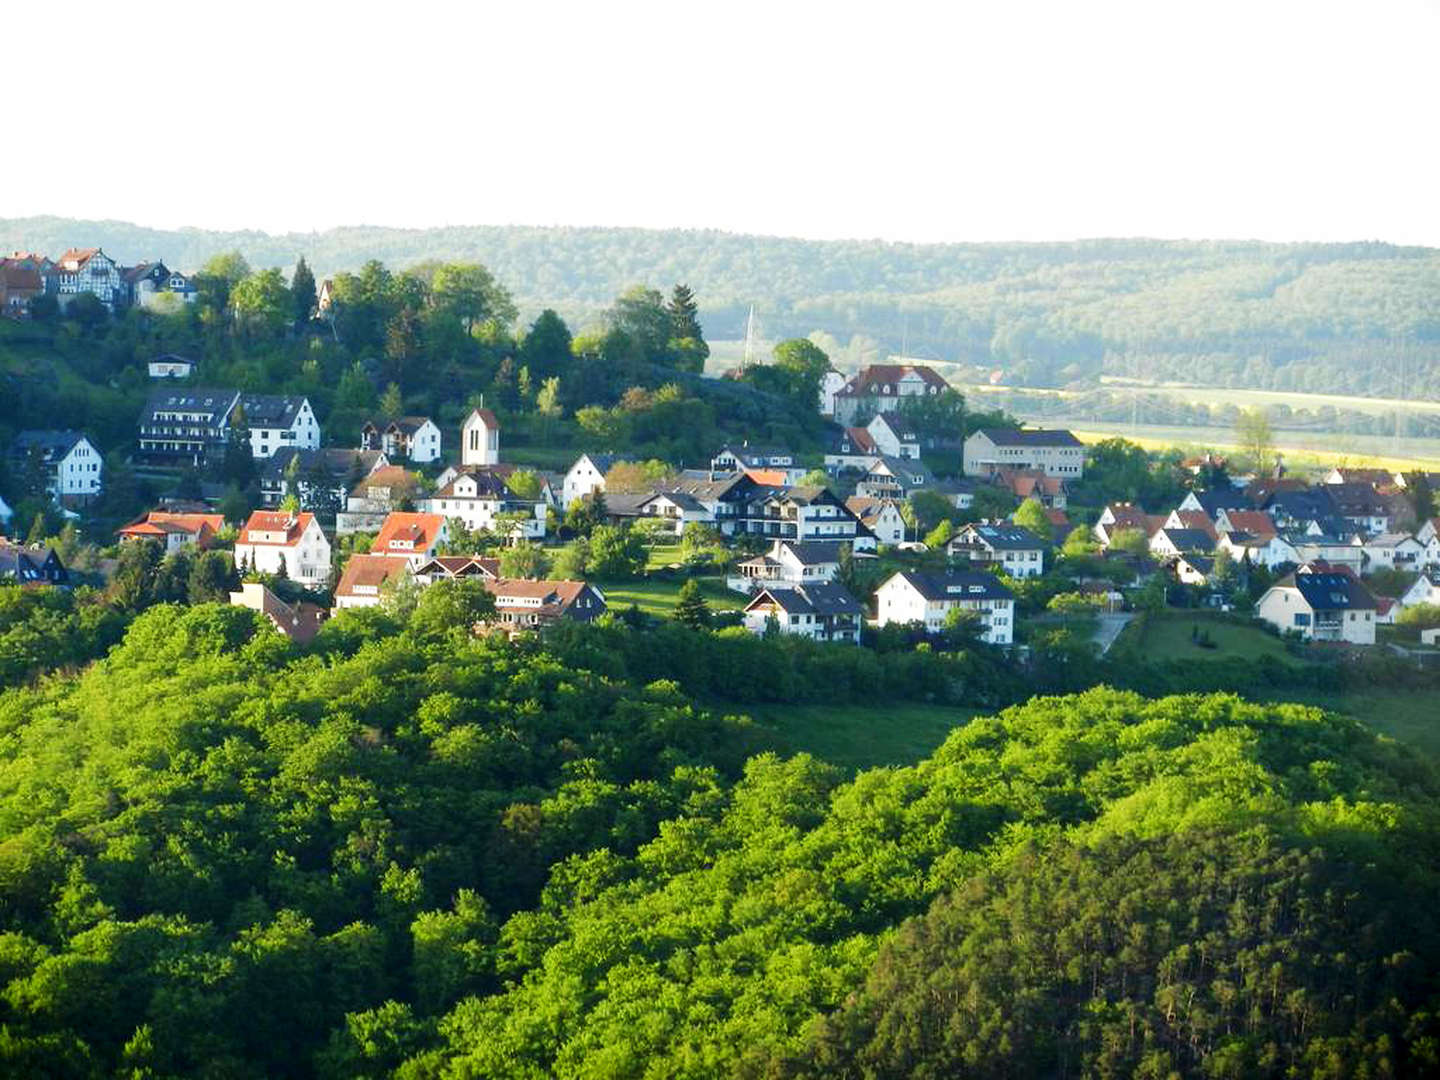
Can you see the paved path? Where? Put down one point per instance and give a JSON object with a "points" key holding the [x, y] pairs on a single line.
{"points": [[1108, 629]]}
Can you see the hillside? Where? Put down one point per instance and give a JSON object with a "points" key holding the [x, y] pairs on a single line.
{"points": [[1335, 318]]}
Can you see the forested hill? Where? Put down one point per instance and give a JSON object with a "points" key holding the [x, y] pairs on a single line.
{"points": [[1358, 318]]}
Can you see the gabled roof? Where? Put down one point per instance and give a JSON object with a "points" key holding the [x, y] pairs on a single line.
{"points": [[556, 598], [407, 534], [76, 258], [338, 463], [369, 571], [955, 585], [861, 441], [488, 485], [1201, 564], [869, 381], [485, 415], [408, 425], [162, 522], [270, 410], [907, 471], [602, 462], [1189, 539], [292, 525], [1254, 522], [1003, 537], [817, 598], [813, 552], [459, 566], [767, 477], [684, 500], [387, 476], [53, 445], [899, 426], [868, 509], [20, 278], [1217, 499], [1329, 591], [1030, 437], [1356, 500], [212, 400]]}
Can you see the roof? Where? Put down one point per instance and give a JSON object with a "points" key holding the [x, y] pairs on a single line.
{"points": [[898, 424], [684, 500], [485, 415], [1356, 499], [387, 476], [768, 477], [406, 425], [270, 410], [556, 597], [292, 524], [861, 440], [1190, 539], [338, 462], [818, 598], [1389, 540], [213, 400], [54, 445], [1364, 476], [956, 585], [1217, 499], [868, 509], [907, 471], [1030, 437], [813, 552], [78, 256], [162, 522], [299, 622], [602, 462], [868, 380], [1254, 522], [460, 566], [1003, 537], [1330, 591], [488, 485], [371, 571], [172, 358], [24, 564], [1026, 482], [406, 534], [1200, 563], [20, 277]]}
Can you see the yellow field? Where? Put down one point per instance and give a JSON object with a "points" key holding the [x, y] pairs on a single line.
{"points": [[1355, 450]]}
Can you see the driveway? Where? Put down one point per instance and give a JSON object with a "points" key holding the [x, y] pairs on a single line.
{"points": [[1108, 627]]}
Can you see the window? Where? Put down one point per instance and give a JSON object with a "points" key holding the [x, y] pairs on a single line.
{"points": [[1302, 619]]}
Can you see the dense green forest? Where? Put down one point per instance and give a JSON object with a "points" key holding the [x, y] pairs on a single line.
{"points": [[1343, 318], [408, 851]]}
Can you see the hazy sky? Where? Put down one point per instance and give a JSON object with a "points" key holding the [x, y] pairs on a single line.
{"points": [[984, 120]]}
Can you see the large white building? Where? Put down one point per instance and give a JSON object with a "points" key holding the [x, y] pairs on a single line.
{"points": [[277, 421], [74, 469], [182, 424], [1056, 453], [479, 496], [910, 596], [880, 387], [1321, 606], [584, 477], [821, 611], [277, 541]]}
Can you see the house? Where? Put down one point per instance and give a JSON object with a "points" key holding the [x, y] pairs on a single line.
{"points": [[171, 366], [19, 284], [1060, 525], [882, 387], [522, 604], [1193, 569], [585, 477], [1017, 550], [289, 544], [317, 477], [456, 567], [413, 537], [894, 436], [299, 622], [894, 478], [86, 270], [911, 596], [1267, 551], [801, 513], [677, 507], [1171, 543], [415, 438], [1361, 506], [1055, 453], [1291, 509], [1252, 522], [1424, 590], [276, 421], [1393, 551], [1338, 550], [745, 456], [960, 490], [1321, 607], [789, 562], [73, 468], [32, 565], [154, 285], [185, 425], [381, 492], [325, 298], [881, 516], [480, 438], [1050, 491], [1386, 608], [478, 496], [1375, 478], [850, 449], [173, 531], [364, 579], [821, 611]]}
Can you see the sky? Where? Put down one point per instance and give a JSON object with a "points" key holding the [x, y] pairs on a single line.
{"points": [[959, 121]]}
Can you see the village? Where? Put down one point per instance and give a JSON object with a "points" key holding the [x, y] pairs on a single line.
{"points": [[836, 549]]}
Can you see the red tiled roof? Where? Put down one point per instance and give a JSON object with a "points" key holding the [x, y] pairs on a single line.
{"points": [[293, 525], [367, 570], [414, 533], [867, 381], [1255, 522], [162, 522]]}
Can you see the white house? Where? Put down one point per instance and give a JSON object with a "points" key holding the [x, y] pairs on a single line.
{"points": [[881, 516], [880, 387], [171, 366], [587, 475], [894, 436], [1328, 606], [788, 562], [1013, 547], [414, 437], [412, 537], [831, 383], [1267, 551], [819, 611], [86, 270], [479, 496], [1393, 551], [1171, 543], [276, 421], [1055, 453], [276, 541], [1425, 590], [678, 507], [480, 438], [74, 469], [910, 596]]}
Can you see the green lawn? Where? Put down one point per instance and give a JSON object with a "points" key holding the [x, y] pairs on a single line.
{"points": [[1168, 637], [662, 555], [656, 596], [1411, 716], [861, 736]]}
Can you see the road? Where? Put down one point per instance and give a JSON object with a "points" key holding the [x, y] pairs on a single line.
{"points": [[1108, 629]]}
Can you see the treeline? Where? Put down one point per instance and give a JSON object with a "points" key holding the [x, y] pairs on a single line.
{"points": [[408, 851], [1351, 318]]}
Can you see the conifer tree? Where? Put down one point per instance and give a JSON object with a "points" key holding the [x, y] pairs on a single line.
{"points": [[302, 292], [692, 610]]}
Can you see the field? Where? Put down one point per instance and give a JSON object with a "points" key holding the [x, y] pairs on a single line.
{"points": [[1167, 637], [861, 736], [1299, 448], [658, 597]]}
